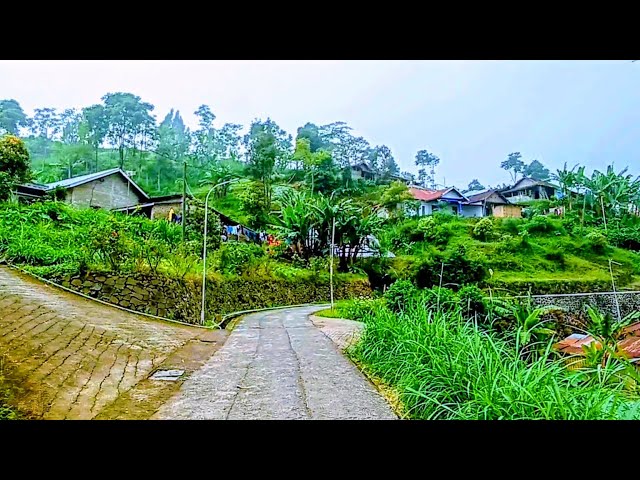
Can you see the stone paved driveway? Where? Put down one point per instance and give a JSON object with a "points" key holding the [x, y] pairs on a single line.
{"points": [[277, 365], [71, 357]]}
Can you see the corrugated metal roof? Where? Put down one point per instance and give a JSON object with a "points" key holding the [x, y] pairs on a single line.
{"points": [[82, 179]]}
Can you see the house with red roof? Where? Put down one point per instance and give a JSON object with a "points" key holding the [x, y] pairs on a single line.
{"points": [[447, 199]]}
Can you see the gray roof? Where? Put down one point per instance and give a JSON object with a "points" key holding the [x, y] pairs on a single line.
{"points": [[515, 187], [82, 179], [480, 197]]}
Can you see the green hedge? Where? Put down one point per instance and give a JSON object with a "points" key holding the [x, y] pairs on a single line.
{"points": [[238, 294]]}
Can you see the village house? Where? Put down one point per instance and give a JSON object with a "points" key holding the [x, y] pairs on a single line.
{"points": [[527, 189], [447, 199], [494, 204], [362, 171], [110, 189]]}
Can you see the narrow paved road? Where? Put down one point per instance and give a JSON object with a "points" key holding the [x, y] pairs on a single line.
{"points": [[73, 358], [277, 365]]}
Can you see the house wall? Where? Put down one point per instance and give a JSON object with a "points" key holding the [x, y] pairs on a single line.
{"points": [[107, 192], [472, 211], [161, 211], [507, 211]]}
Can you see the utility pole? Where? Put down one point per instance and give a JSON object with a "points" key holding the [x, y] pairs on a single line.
{"points": [[184, 199], [333, 236]]}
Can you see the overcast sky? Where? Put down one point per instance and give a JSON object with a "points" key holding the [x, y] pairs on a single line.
{"points": [[471, 114]]}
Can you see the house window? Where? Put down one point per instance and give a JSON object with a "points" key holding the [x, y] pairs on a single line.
{"points": [[424, 210], [434, 208]]}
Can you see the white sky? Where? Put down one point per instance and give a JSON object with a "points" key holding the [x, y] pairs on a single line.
{"points": [[471, 114]]}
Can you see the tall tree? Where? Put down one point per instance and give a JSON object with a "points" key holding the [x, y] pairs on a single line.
{"points": [[428, 162], [313, 133], [45, 123], [536, 170], [204, 136], [263, 149], [126, 115], [382, 162], [93, 128], [474, 185], [70, 126], [514, 165], [12, 117]]}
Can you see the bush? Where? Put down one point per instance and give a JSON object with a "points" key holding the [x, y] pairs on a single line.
{"points": [[433, 231], [557, 257], [511, 225], [471, 300], [483, 230], [625, 237], [596, 241], [400, 295], [459, 269], [542, 225], [234, 256], [440, 299]]}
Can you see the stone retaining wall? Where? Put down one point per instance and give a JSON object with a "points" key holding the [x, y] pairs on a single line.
{"points": [[572, 315], [156, 295], [181, 299]]}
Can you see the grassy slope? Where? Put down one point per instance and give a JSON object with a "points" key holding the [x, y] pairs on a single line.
{"points": [[556, 256]]}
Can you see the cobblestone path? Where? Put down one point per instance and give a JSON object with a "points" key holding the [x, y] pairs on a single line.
{"points": [[70, 358]]}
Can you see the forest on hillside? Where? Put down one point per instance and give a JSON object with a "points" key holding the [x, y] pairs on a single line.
{"points": [[123, 131]]}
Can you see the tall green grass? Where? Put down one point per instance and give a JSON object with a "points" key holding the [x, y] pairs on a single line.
{"points": [[445, 367]]}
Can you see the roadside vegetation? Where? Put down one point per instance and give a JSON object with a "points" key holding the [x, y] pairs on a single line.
{"points": [[459, 356]]}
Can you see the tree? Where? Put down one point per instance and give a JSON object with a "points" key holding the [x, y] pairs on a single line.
{"points": [[474, 185], [514, 165], [345, 149], [262, 151], [536, 170], [382, 162], [204, 137], [312, 133], [70, 126], [11, 117], [394, 196], [14, 164], [93, 128], [426, 160], [126, 114], [46, 123], [173, 145]]}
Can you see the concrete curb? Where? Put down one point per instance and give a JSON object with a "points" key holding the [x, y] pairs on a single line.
{"points": [[57, 285], [222, 325]]}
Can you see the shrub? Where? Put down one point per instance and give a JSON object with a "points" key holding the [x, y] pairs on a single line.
{"points": [[433, 231], [556, 256], [540, 224], [511, 225], [626, 237], [471, 300], [233, 256], [459, 269], [596, 241], [440, 299], [400, 295], [483, 230], [361, 309]]}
